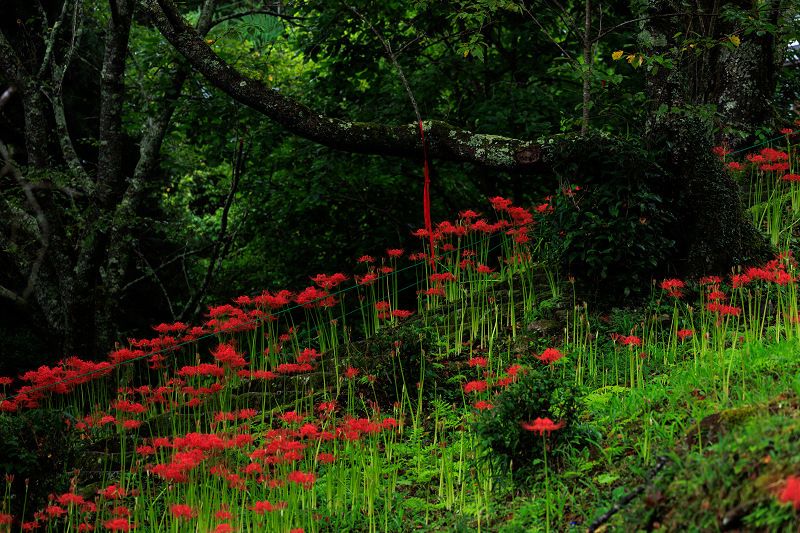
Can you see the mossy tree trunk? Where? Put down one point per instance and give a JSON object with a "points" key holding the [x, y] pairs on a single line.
{"points": [[67, 266], [714, 230]]}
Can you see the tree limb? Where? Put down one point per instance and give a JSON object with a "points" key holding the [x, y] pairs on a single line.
{"points": [[442, 140]]}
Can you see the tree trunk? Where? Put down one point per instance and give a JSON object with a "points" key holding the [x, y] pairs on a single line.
{"points": [[71, 284], [715, 233]]}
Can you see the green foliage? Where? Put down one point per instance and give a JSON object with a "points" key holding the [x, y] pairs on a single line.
{"points": [[609, 228], [506, 447], [37, 445], [731, 483]]}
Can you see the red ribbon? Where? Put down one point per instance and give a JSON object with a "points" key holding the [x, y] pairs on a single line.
{"points": [[427, 196]]}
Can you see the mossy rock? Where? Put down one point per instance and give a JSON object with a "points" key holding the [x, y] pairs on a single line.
{"points": [[709, 430], [732, 484]]}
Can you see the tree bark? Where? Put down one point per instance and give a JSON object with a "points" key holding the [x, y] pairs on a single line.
{"points": [[75, 282], [715, 232]]}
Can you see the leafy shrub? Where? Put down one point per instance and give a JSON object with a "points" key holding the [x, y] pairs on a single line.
{"points": [[507, 447], [608, 227], [36, 447]]}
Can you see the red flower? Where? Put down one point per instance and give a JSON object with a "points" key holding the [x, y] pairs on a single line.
{"points": [[478, 361], [351, 372], [367, 279], [303, 478], [399, 313], [478, 386], [550, 356], [791, 493], [366, 259], [682, 334], [179, 510], [266, 507], [541, 425], [500, 203], [631, 340], [395, 253], [118, 524], [482, 405]]}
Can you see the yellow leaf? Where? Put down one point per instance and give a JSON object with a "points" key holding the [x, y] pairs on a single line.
{"points": [[466, 52], [616, 55], [735, 40], [630, 58], [639, 61]]}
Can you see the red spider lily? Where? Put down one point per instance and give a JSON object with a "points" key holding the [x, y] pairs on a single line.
{"points": [[721, 151], [395, 253], [70, 499], [733, 165], [222, 310], [483, 269], [478, 361], [436, 291], [54, 511], [287, 368], [382, 306], [327, 407], [499, 203], [541, 425], [709, 280], [6, 519], [118, 524], [631, 340], [273, 301], [791, 493], [366, 259], [389, 422], [128, 407], [312, 297], [468, 214], [722, 309], [670, 284], [444, 276], [309, 430], [790, 177], [131, 424], [180, 510], [329, 282], [716, 295], [223, 514], [520, 215], [483, 405], [550, 356], [513, 370], [327, 458], [223, 528], [399, 313], [367, 279], [266, 507], [291, 417], [684, 333], [476, 386], [302, 478], [351, 372], [204, 369]]}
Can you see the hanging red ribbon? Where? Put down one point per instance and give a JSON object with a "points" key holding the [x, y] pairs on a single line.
{"points": [[427, 195]]}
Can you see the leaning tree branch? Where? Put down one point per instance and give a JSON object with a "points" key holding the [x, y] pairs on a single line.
{"points": [[443, 141]]}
